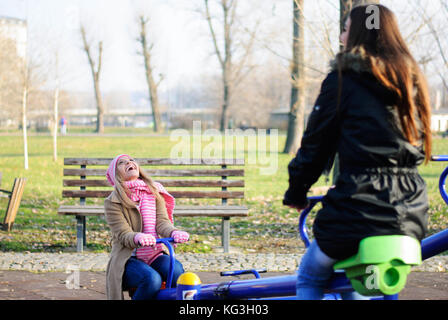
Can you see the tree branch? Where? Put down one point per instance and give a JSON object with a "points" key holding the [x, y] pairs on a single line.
{"points": [[212, 31], [100, 57], [248, 49], [87, 48]]}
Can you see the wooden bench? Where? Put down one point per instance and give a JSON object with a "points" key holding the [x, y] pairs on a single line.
{"points": [[189, 173], [15, 197]]}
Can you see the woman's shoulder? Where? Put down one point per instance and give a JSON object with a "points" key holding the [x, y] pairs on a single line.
{"points": [[113, 199], [331, 76], [332, 79], [330, 84], [349, 82]]}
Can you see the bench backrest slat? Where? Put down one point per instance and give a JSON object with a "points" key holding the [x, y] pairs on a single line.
{"points": [[78, 171], [163, 172], [166, 183], [174, 193], [14, 203], [157, 161]]}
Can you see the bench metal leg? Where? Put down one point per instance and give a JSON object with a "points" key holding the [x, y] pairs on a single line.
{"points": [[225, 225], [80, 233]]}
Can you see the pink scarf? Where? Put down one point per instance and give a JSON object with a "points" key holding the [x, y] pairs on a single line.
{"points": [[141, 193]]}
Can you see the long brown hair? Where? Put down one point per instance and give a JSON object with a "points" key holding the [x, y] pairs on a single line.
{"points": [[392, 64], [123, 190]]}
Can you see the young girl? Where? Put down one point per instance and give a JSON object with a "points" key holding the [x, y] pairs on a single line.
{"points": [[374, 111], [138, 211]]}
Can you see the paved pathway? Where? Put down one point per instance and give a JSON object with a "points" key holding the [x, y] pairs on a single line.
{"points": [[45, 262], [24, 285], [43, 276]]}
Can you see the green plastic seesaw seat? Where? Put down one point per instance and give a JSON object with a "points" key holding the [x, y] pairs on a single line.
{"points": [[382, 264]]}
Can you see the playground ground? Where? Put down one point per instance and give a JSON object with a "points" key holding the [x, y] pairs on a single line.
{"points": [[24, 285]]}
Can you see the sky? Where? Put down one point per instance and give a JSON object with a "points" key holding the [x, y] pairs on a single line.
{"points": [[179, 45], [182, 50]]}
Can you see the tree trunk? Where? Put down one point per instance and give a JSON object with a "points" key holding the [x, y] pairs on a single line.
{"points": [[99, 105], [96, 70], [154, 99], [55, 124], [297, 102], [152, 85], [225, 104], [226, 66], [24, 128]]}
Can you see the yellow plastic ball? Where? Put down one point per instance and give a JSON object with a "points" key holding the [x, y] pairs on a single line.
{"points": [[189, 279]]}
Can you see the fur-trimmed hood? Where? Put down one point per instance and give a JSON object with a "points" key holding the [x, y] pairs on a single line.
{"points": [[355, 60], [359, 63]]}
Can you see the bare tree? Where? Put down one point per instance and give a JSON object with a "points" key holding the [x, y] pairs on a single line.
{"points": [[30, 83], [232, 72], [95, 68], [304, 75], [20, 80], [437, 34], [152, 84], [25, 89], [225, 59], [297, 101], [264, 90], [56, 110]]}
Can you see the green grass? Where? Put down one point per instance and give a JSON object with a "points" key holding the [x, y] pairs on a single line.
{"points": [[270, 227]]}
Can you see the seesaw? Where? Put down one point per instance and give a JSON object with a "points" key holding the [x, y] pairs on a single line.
{"points": [[388, 259]]}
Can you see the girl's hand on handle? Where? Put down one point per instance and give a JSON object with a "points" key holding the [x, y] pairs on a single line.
{"points": [[298, 205], [298, 208], [180, 236], [145, 240]]}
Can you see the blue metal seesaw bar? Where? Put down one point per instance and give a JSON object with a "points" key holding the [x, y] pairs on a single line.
{"points": [[166, 242], [285, 286]]}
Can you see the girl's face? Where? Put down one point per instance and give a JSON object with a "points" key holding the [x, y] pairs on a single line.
{"points": [[344, 35], [128, 169]]}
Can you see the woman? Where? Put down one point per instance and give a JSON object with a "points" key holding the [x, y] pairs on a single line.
{"points": [[374, 111], [138, 211]]}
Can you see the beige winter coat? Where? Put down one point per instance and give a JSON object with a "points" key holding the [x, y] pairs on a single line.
{"points": [[125, 223]]}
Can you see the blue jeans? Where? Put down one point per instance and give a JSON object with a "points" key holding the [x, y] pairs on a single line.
{"points": [[148, 279], [315, 271]]}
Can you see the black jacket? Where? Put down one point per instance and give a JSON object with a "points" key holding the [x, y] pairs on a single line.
{"points": [[378, 190]]}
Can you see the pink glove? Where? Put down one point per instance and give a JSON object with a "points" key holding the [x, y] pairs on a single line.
{"points": [[180, 236], [145, 240]]}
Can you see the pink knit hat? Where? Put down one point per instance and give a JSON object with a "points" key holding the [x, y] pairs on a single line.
{"points": [[110, 174], [170, 202]]}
